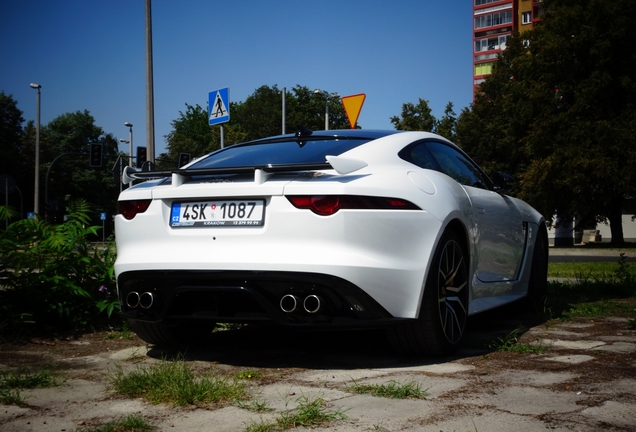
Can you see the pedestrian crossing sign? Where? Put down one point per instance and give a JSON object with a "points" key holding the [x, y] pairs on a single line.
{"points": [[219, 106]]}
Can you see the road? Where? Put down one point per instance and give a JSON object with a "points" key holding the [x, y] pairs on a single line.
{"points": [[583, 254]]}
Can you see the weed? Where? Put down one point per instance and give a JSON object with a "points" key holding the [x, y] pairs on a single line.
{"points": [[393, 390], [53, 276], [510, 343], [248, 374], [176, 383], [631, 324], [254, 405], [131, 423], [309, 412], [11, 382]]}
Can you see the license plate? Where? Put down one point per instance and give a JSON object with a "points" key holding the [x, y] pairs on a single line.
{"points": [[214, 214]]}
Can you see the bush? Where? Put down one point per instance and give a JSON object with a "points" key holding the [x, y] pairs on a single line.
{"points": [[52, 276]]}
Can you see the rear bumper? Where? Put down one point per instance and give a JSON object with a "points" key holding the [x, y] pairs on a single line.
{"points": [[289, 298]]}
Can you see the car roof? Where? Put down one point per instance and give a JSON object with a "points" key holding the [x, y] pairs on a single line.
{"points": [[335, 133]]}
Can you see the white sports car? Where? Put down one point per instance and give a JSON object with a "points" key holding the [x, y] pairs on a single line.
{"points": [[354, 228]]}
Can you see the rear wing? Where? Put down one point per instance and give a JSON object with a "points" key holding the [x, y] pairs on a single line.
{"points": [[261, 173]]}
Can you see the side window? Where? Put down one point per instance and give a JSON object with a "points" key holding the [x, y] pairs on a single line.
{"points": [[454, 164], [419, 155]]}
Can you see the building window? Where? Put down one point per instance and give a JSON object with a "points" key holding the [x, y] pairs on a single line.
{"points": [[526, 17], [483, 69], [492, 43], [494, 19], [482, 2]]}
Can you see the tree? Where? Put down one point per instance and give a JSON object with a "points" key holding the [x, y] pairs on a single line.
{"points": [[447, 125], [259, 116], [415, 117], [565, 110], [12, 162], [65, 144]]}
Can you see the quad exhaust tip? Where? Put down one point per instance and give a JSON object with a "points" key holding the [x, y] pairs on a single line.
{"points": [[289, 303], [144, 300], [132, 299], [311, 304]]}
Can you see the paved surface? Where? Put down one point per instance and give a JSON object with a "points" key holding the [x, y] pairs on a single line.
{"points": [[585, 381]]}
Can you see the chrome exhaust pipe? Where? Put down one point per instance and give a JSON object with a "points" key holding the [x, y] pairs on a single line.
{"points": [[146, 300], [312, 304], [289, 303], [132, 299]]}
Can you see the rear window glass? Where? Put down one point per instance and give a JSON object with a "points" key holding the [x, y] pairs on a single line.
{"points": [[311, 151]]}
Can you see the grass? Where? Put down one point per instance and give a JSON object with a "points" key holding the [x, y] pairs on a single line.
{"points": [[176, 383], [510, 343], [596, 290], [392, 389], [585, 270], [308, 413], [11, 382], [131, 423]]}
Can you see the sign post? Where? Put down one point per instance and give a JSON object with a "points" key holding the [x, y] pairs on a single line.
{"points": [[219, 108], [102, 216]]}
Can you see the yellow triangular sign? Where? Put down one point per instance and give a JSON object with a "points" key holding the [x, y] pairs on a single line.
{"points": [[352, 106]]}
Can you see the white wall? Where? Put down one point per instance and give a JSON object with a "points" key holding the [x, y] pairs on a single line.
{"points": [[629, 230]]}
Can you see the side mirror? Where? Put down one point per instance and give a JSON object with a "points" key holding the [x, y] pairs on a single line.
{"points": [[502, 182]]}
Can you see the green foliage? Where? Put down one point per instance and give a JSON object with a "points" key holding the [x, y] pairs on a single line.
{"points": [[559, 113], [52, 276], [415, 117], [259, 116], [308, 413], [392, 389], [64, 156], [176, 383], [130, 423], [595, 295], [511, 343], [12, 162], [592, 270], [12, 381]]}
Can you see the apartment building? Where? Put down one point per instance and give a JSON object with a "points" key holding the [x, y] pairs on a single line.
{"points": [[494, 21]]}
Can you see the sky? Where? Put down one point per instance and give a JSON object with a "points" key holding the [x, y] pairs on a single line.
{"points": [[90, 55]]}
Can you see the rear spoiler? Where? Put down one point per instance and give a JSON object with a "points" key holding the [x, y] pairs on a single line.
{"points": [[261, 173]]}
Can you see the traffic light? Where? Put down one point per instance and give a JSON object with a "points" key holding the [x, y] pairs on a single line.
{"points": [[141, 156], [184, 159], [95, 157]]}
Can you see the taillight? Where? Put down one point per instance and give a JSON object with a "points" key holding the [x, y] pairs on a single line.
{"points": [[130, 209], [326, 205]]}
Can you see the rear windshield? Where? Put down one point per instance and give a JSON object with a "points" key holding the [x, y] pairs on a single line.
{"points": [[279, 152]]}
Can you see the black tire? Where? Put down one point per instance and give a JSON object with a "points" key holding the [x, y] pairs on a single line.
{"points": [[175, 335], [442, 319], [538, 285]]}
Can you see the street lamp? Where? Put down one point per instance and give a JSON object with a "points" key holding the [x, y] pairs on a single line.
{"points": [[327, 97], [123, 141], [36, 199], [129, 125]]}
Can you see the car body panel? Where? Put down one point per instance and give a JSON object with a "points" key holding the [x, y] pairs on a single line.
{"points": [[384, 253]]}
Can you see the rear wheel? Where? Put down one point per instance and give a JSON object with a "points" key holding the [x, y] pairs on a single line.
{"points": [[444, 309], [164, 335]]}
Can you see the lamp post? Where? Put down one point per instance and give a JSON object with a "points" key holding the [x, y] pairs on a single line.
{"points": [[123, 141], [36, 198], [327, 97], [129, 125]]}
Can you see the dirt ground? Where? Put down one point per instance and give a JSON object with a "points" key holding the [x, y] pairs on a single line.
{"points": [[584, 381]]}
